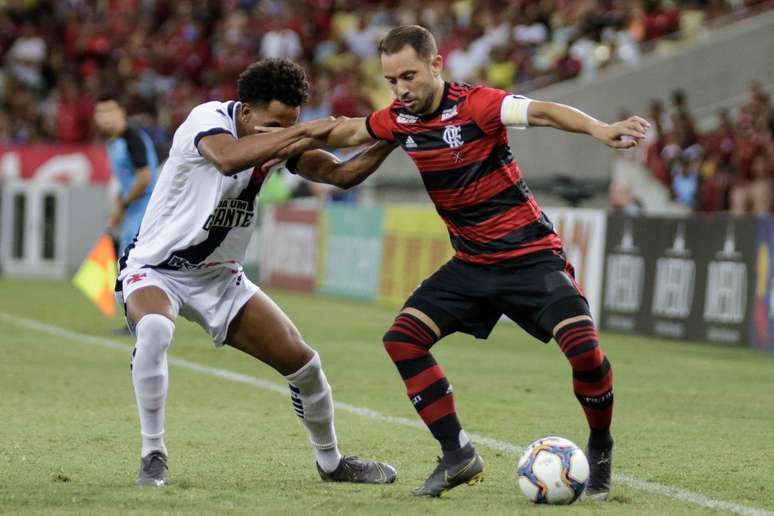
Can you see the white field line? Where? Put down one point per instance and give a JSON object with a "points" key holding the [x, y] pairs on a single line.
{"points": [[643, 485]]}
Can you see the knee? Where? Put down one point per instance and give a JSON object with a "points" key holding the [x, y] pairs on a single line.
{"points": [[408, 337], [298, 354], [398, 349], [154, 333], [310, 376]]}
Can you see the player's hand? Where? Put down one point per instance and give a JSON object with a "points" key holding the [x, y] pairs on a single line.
{"points": [[294, 149], [319, 129], [624, 134], [270, 164]]}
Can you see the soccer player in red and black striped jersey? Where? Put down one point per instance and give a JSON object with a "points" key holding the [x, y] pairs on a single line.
{"points": [[508, 257]]}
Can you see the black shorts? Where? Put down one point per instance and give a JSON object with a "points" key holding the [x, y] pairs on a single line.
{"points": [[471, 298]]}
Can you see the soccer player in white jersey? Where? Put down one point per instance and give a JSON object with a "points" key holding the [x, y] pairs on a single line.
{"points": [[186, 257]]}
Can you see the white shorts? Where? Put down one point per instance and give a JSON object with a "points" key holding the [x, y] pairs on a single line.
{"points": [[211, 299]]}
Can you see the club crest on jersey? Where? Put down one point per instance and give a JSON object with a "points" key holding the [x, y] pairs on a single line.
{"points": [[230, 213], [403, 118], [452, 135], [449, 113]]}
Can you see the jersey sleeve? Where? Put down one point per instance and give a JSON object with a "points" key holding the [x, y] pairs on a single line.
{"points": [[485, 104], [381, 124], [204, 120], [136, 147]]}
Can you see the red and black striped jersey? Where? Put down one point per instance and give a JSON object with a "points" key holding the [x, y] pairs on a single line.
{"points": [[462, 153]]}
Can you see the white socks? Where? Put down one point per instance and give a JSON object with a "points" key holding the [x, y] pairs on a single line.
{"points": [[150, 377], [313, 404], [309, 392]]}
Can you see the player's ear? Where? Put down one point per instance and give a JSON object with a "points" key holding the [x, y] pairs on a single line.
{"points": [[436, 65]]}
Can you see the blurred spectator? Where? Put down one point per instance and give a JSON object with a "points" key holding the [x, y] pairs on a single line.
{"points": [[280, 41], [26, 57], [754, 195], [729, 168], [660, 20], [685, 176], [567, 67], [501, 72], [364, 38], [622, 200], [69, 111]]}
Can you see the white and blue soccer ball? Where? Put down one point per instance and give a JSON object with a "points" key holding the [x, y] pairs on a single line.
{"points": [[553, 470]]}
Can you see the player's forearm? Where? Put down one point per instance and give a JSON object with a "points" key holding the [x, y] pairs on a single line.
{"points": [[566, 118], [141, 182], [350, 132], [255, 149], [359, 167]]}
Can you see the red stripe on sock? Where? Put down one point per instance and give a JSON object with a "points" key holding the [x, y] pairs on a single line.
{"points": [[568, 333], [568, 344], [587, 361], [594, 389], [406, 328], [574, 335], [437, 409], [429, 337], [423, 380], [400, 327], [403, 351]]}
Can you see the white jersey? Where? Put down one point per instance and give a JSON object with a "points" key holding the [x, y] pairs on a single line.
{"points": [[197, 218]]}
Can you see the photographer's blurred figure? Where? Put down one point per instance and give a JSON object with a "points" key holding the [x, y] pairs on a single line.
{"points": [[134, 163]]}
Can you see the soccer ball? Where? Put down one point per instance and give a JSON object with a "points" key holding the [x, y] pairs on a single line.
{"points": [[553, 470]]}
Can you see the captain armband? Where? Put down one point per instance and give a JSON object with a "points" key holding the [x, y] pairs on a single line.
{"points": [[513, 111]]}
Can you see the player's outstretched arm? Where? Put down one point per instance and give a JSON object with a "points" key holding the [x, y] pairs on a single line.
{"points": [[350, 132], [619, 135], [323, 167], [231, 155]]}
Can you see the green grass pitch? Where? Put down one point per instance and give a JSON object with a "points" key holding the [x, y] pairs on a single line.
{"points": [[689, 417]]}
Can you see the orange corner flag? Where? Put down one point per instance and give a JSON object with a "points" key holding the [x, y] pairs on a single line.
{"points": [[97, 276]]}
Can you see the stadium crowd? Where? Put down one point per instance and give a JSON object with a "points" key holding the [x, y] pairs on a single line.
{"points": [[729, 167], [167, 56]]}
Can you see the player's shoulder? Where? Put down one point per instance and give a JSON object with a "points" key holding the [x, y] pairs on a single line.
{"points": [[214, 107], [480, 91], [460, 88]]}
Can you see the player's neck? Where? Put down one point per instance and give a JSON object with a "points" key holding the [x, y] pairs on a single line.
{"points": [[440, 86]]}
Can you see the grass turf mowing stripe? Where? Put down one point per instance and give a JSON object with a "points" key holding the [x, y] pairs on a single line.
{"points": [[643, 485]]}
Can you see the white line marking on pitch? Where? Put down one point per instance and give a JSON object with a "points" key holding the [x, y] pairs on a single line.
{"points": [[643, 485]]}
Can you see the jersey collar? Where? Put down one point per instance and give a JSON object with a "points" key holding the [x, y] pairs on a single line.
{"points": [[445, 103]]}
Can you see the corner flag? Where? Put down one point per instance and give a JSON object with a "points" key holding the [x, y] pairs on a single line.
{"points": [[97, 275]]}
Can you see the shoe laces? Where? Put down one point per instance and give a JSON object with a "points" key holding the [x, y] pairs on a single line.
{"points": [[156, 463], [355, 463]]}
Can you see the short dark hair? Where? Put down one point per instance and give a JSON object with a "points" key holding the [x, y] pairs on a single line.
{"points": [[273, 79], [107, 95], [417, 37]]}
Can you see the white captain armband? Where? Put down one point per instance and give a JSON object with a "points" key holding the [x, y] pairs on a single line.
{"points": [[513, 111]]}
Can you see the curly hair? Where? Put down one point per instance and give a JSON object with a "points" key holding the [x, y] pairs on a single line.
{"points": [[273, 79]]}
